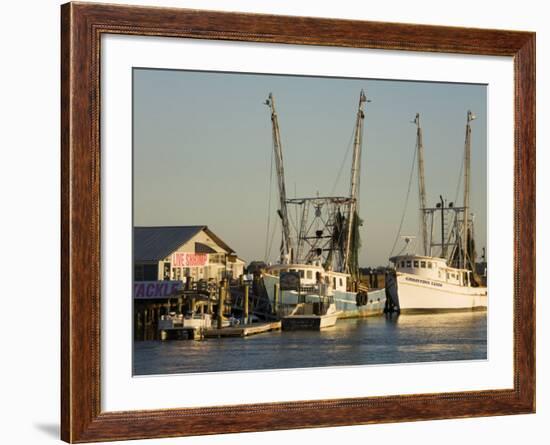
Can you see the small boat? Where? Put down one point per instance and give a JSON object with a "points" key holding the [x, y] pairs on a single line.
{"points": [[311, 316], [448, 281], [183, 326]]}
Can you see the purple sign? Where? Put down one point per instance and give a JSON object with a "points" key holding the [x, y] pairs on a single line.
{"points": [[155, 289]]}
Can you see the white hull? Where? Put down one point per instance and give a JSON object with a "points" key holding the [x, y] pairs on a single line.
{"points": [[420, 294], [303, 318]]}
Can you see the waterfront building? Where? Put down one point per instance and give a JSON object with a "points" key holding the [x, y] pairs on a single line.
{"points": [[178, 252]]}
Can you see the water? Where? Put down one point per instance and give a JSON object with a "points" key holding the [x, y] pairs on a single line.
{"points": [[403, 339]]}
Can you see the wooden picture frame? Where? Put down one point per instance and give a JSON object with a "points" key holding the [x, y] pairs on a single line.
{"points": [[82, 26]]}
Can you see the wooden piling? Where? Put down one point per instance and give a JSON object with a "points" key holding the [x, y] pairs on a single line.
{"points": [[221, 295], [246, 304], [275, 298]]}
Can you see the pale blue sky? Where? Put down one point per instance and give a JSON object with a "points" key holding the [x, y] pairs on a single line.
{"points": [[202, 151]]}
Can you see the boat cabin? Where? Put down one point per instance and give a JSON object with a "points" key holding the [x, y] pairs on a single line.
{"points": [[432, 268], [312, 274]]}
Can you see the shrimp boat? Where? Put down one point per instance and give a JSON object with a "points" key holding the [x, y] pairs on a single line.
{"points": [[316, 280], [447, 282]]}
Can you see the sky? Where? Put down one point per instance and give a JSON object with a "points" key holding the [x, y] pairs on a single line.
{"points": [[203, 150]]}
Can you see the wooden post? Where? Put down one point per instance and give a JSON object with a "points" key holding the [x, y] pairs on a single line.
{"points": [[246, 304], [275, 298], [221, 294]]}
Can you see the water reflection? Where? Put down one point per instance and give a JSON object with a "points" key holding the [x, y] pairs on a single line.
{"points": [[403, 339]]}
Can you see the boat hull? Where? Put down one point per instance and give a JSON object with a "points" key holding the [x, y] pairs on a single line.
{"points": [[308, 322], [346, 302], [419, 295]]}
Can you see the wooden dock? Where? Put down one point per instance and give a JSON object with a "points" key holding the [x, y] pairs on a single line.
{"points": [[242, 331]]}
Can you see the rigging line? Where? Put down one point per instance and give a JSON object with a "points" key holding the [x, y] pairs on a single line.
{"points": [[455, 216], [269, 201], [292, 221], [343, 161], [296, 207], [271, 242], [406, 201]]}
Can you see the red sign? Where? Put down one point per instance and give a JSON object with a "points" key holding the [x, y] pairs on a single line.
{"points": [[184, 259], [155, 289]]}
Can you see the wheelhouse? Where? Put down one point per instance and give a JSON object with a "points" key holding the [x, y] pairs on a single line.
{"points": [[311, 275], [432, 268]]}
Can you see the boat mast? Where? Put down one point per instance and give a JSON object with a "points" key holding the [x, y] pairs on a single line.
{"points": [[355, 177], [443, 246], [286, 248], [421, 184], [467, 149]]}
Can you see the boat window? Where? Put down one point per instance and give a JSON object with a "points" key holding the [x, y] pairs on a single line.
{"points": [[416, 264], [423, 264], [309, 274], [284, 270], [334, 282], [341, 282], [301, 273], [293, 270], [402, 263], [409, 263], [429, 264]]}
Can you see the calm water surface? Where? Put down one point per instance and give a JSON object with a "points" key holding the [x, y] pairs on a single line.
{"points": [[403, 339]]}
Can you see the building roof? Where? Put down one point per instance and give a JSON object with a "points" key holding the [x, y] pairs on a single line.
{"points": [[156, 243]]}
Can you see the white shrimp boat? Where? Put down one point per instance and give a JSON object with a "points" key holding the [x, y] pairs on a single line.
{"points": [[427, 284], [322, 254], [448, 282]]}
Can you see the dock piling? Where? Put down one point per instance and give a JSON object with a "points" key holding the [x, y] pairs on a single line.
{"points": [[221, 295], [245, 314], [275, 298]]}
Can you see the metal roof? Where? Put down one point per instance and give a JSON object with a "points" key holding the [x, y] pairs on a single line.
{"points": [[156, 243]]}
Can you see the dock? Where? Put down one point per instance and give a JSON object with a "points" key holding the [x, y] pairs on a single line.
{"points": [[242, 331]]}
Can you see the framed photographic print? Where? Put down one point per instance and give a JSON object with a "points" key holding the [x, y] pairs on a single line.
{"points": [[276, 222]]}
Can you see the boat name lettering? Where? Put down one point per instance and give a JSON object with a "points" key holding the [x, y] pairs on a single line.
{"points": [[428, 282]]}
